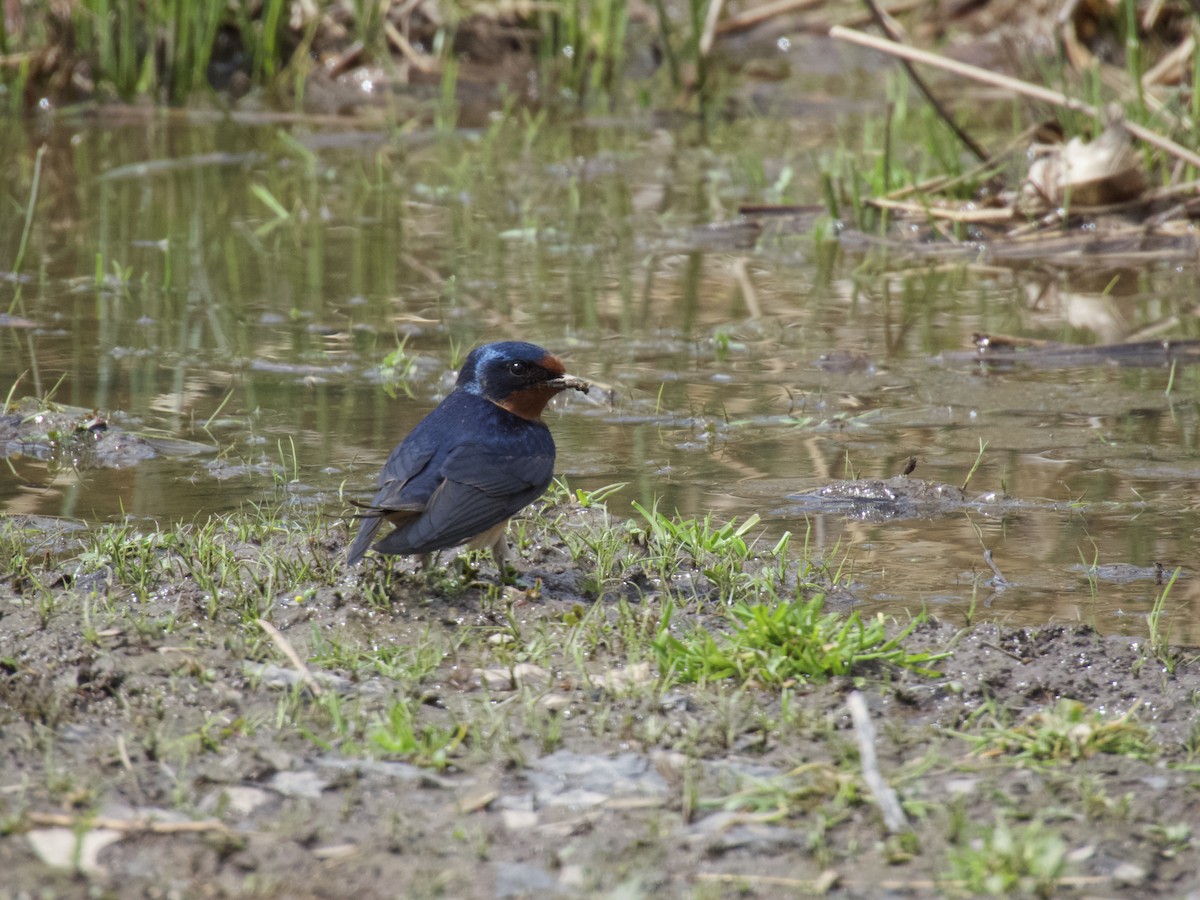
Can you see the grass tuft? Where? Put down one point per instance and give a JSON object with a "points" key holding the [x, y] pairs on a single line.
{"points": [[1010, 861], [777, 644], [1068, 731]]}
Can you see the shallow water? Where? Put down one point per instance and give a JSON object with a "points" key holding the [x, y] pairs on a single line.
{"points": [[240, 285]]}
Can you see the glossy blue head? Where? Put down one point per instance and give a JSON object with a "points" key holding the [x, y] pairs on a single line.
{"points": [[520, 377]]}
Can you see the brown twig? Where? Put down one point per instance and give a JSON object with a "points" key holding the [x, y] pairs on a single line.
{"points": [[999, 214], [710, 26], [1000, 581], [894, 818], [143, 824], [748, 18], [1008, 83], [1022, 660], [965, 139], [421, 61], [816, 886], [289, 651]]}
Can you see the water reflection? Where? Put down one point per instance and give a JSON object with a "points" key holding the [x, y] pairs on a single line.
{"points": [[240, 287]]}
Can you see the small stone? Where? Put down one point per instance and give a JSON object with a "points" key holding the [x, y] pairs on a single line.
{"points": [[335, 851], [517, 820], [524, 880], [298, 784], [631, 676], [555, 702], [580, 780], [62, 848], [1129, 873], [1081, 854], [505, 678], [401, 771], [475, 802], [961, 787], [240, 800], [572, 877]]}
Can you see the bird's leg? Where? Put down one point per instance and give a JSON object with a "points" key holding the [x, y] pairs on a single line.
{"points": [[502, 559]]}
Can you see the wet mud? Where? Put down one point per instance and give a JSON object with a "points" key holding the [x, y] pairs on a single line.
{"points": [[164, 745]]}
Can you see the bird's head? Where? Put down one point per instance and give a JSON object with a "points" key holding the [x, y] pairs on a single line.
{"points": [[517, 376]]}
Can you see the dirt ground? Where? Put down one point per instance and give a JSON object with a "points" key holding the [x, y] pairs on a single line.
{"points": [[164, 747]]}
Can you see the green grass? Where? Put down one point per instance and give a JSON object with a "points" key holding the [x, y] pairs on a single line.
{"points": [[230, 571], [1066, 732], [1159, 629], [160, 48], [462, 678], [397, 733], [1009, 860], [776, 644], [163, 49]]}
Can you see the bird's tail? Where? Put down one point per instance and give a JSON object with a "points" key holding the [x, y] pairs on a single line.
{"points": [[366, 534]]}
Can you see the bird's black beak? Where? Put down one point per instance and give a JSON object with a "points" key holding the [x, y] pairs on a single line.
{"points": [[567, 382]]}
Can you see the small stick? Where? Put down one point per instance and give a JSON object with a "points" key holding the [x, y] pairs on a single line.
{"points": [[282, 643], [999, 214], [1005, 82], [126, 762], [748, 18], [141, 824], [422, 61], [889, 805], [965, 139], [818, 886], [710, 26], [1001, 581], [1022, 660]]}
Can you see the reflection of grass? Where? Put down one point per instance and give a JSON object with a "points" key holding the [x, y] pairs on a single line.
{"points": [[397, 369]]}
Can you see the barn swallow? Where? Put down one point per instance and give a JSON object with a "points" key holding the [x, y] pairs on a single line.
{"points": [[482, 455]]}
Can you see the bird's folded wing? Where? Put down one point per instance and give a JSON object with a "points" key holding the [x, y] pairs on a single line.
{"points": [[405, 483], [499, 474], [479, 490]]}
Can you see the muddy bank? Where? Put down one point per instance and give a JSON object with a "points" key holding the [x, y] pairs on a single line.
{"points": [[450, 735]]}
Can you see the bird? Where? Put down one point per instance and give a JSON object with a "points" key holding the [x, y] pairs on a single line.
{"points": [[479, 457]]}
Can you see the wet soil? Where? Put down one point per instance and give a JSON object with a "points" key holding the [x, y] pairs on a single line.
{"points": [[182, 750], [66, 436]]}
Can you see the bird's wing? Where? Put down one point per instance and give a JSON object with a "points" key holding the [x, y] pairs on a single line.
{"points": [[405, 484], [372, 518], [501, 473], [481, 487], [362, 541], [407, 479]]}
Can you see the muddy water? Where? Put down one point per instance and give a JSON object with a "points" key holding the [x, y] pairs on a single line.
{"points": [[239, 286]]}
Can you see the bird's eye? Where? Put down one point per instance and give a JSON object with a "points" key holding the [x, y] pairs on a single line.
{"points": [[518, 368]]}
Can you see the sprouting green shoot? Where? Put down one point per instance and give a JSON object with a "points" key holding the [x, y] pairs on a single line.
{"points": [[977, 463]]}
